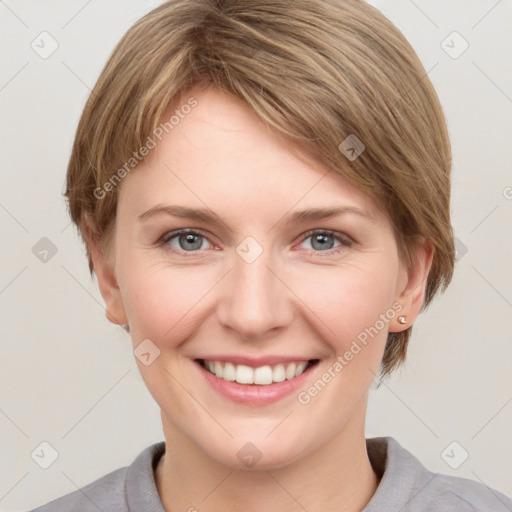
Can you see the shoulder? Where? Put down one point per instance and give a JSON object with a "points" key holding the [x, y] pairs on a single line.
{"points": [[107, 491], [463, 494], [409, 486], [120, 490]]}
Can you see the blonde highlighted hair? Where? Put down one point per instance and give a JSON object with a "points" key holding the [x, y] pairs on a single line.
{"points": [[316, 72]]}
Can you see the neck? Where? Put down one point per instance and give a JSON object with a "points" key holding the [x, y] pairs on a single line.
{"points": [[339, 477]]}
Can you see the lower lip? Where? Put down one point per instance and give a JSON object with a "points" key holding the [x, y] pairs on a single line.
{"points": [[254, 394]]}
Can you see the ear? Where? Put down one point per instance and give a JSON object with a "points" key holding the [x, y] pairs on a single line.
{"points": [[105, 273], [412, 285]]}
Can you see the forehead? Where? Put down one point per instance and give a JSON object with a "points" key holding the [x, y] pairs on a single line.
{"points": [[221, 154]]}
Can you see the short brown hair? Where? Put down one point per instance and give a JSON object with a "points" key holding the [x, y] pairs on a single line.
{"points": [[315, 71]]}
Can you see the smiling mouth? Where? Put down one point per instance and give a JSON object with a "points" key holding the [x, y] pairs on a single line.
{"points": [[260, 376]]}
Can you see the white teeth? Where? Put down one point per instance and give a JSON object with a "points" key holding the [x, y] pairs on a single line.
{"points": [[229, 372], [263, 375], [218, 369], [278, 374], [300, 368], [290, 371], [244, 374]]}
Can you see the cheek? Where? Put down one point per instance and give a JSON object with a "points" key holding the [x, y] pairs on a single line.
{"points": [[350, 299], [162, 302]]}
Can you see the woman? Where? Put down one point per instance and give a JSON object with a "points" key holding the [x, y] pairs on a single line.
{"points": [[263, 190]]}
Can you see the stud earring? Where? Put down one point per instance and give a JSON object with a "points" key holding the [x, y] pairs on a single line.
{"points": [[402, 319]]}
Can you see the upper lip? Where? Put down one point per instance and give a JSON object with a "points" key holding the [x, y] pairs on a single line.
{"points": [[256, 362]]}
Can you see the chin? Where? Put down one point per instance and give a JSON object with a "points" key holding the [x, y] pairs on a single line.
{"points": [[259, 454]]}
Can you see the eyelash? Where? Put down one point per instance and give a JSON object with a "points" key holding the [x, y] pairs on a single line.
{"points": [[344, 240]]}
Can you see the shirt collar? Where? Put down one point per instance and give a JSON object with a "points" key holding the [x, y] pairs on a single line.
{"points": [[401, 476], [141, 490]]}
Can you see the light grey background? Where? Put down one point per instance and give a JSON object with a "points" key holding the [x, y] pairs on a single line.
{"points": [[68, 377]]}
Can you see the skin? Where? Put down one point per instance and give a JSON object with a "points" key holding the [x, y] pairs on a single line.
{"points": [[297, 298]]}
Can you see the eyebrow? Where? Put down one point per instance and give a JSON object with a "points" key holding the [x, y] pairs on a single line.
{"points": [[206, 215]]}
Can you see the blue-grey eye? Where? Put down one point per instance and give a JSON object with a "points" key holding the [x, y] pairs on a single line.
{"points": [[187, 241], [322, 241]]}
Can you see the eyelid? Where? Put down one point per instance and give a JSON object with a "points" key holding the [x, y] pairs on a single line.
{"points": [[166, 237], [345, 241], [335, 234]]}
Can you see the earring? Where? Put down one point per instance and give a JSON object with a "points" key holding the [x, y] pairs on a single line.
{"points": [[402, 319]]}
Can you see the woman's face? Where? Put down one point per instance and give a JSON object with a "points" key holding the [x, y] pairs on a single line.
{"points": [[260, 285]]}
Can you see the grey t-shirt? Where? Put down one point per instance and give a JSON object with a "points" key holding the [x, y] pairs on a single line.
{"points": [[405, 486]]}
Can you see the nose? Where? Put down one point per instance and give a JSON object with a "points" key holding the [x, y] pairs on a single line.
{"points": [[255, 299]]}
